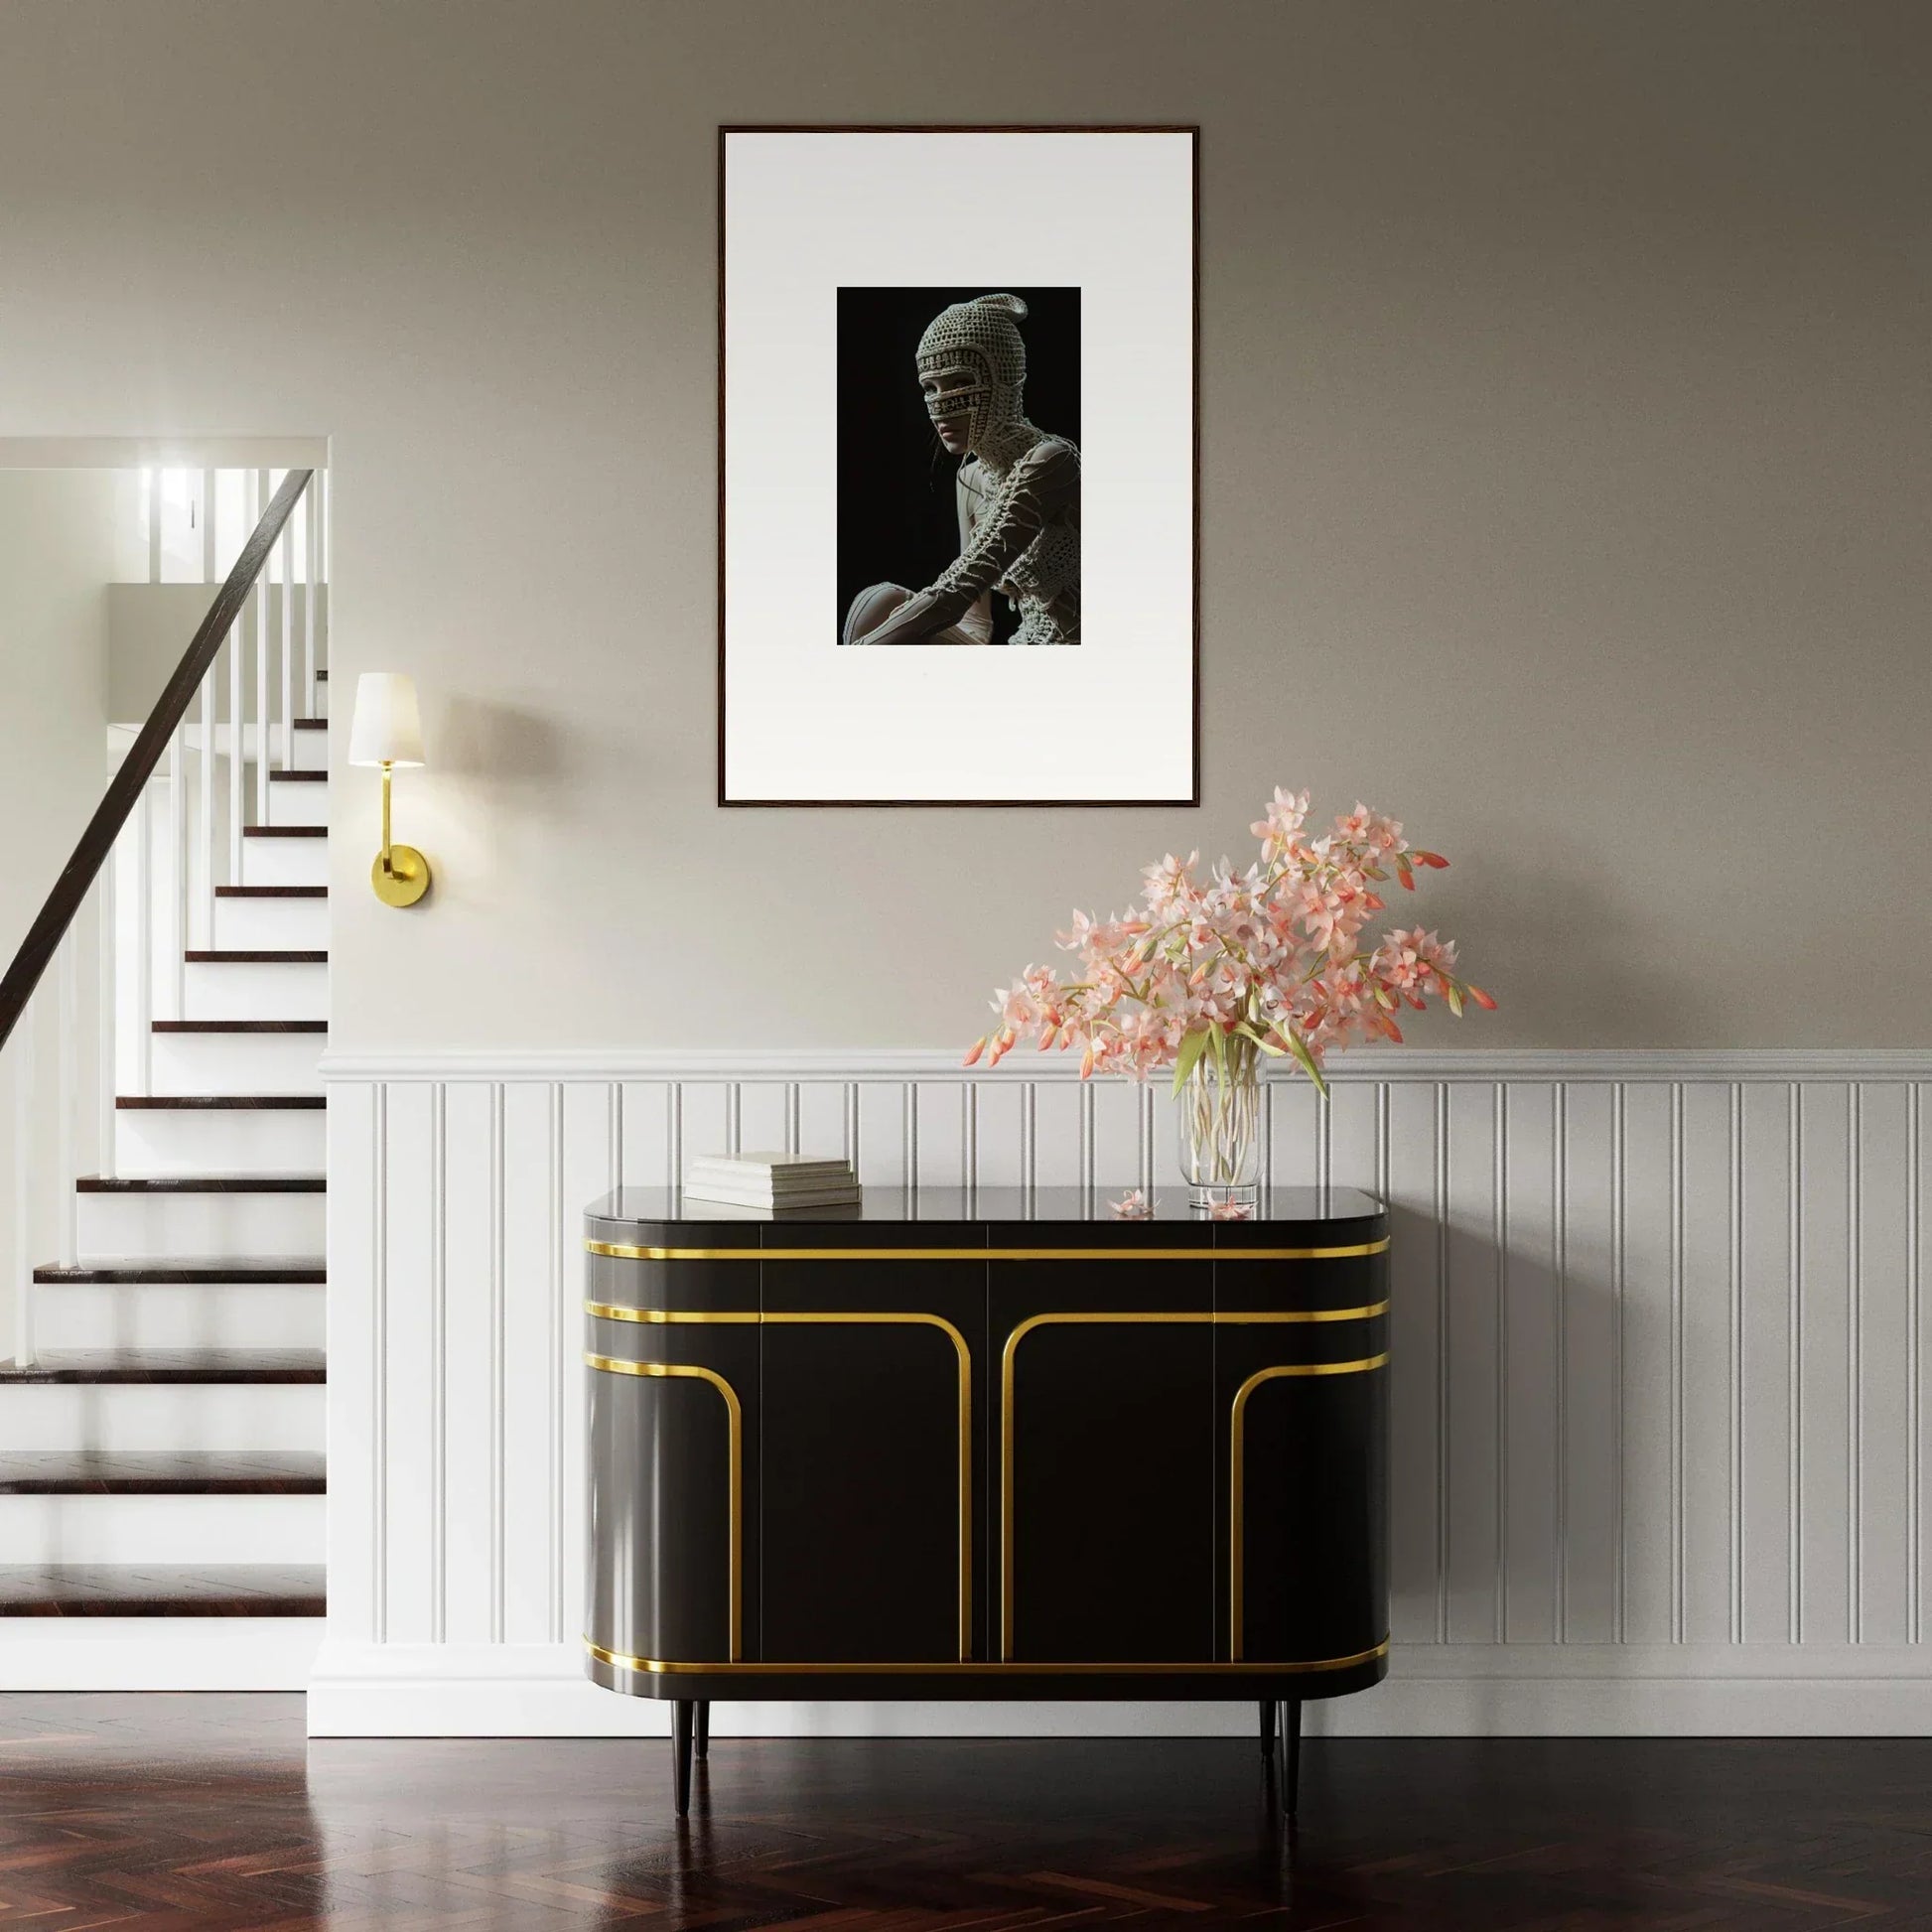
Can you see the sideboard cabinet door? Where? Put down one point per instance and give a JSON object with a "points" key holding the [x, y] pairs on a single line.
{"points": [[874, 1398], [1105, 1456]]}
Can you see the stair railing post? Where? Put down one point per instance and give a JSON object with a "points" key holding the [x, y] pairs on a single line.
{"points": [[206, 842], [263, 484], [312, 574], [22, 1273], [287, 548], [105, 992], [178, 891], [67, 1097], [143, 919]]}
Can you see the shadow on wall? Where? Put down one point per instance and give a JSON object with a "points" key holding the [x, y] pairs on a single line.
{"points": [[499, 774]]}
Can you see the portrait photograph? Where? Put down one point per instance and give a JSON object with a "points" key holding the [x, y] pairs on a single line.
{"points": [[957, 467]]}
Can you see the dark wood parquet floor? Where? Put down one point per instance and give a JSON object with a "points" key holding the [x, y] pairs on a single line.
{"points": [[213, 1811]]}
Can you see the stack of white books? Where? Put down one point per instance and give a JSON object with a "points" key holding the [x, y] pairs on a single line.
{"points": [[774, 1180]]}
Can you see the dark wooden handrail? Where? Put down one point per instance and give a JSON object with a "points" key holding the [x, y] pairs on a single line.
{"points": [[126, 787]]}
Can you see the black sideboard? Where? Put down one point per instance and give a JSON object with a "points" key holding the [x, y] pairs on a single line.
{"points": [[987, 1445]]}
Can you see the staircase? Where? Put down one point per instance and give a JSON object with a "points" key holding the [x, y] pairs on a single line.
{"points": [[162, 1468]]}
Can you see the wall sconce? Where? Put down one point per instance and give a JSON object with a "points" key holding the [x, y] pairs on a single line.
{"points": [[388, 731]]}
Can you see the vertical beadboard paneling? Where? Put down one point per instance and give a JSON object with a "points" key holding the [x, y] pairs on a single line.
{"points": [[528, 1428], [1059, 1136], [470, 1346], [1882, 1423], [1118, 1138], [355, 1341], [1826, 1480], [1768, 1350], [584, 1168], [646, 1132], [1659, 1374], [1589, 1319], [1293, 1135], [1703, 1392], [1355, 1138], [1473, 1352], [821, 1113], [1415, 1350], [1648, 1375], [1533, 1378], [764, 1116], [411, 1402]]}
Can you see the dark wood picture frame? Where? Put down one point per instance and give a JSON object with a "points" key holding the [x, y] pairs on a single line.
{"points": [[1192, 130]]}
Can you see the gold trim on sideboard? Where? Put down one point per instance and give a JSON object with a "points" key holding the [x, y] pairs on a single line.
{"points": [[614, 1311], [658, 1667], [1238, 1474], [620, 1251], [1211, 1317], [735, 1426]]}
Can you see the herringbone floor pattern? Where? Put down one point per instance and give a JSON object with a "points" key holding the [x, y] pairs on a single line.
{"points": [[211, 1810]]}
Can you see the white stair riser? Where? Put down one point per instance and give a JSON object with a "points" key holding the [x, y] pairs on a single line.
{"points": [[280, 924], [218, 1140], [311, 752], [237, 1063], [255, 990], [285, 861], [178, 1314], [172, 1530], [163, 1415], [159, 1653], [297, 804], [163, 1227]]}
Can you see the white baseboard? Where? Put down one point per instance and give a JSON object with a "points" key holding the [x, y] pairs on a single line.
{"points": [[159, 1653], [1448, 1690]]}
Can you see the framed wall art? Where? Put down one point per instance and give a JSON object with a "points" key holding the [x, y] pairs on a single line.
{"points": [[958, 467]]}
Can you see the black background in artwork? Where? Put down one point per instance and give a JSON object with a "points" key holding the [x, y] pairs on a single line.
{"points": [[898, 520]]}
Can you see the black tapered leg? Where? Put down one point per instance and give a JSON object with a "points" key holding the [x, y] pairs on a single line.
{"points": [[1268, 1728], [1291, 1756], [681, 1754], [703, 1743]]}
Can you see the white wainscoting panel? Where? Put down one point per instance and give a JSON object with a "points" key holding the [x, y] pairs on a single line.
{"points": [[1659, 1361]]}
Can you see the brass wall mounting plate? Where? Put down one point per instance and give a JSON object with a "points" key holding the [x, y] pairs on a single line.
{"points": [[404, 879]]}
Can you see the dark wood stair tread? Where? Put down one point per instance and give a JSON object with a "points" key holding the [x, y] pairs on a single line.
{"points": [[285, 831], [241, 1026], [271, 891], [202, 1183], [163, 1589], [215, 1271], [160, 1472], [264, 1102], [298, 777], [253, 956], [311, 724], [323, 675], [115, 1365]]}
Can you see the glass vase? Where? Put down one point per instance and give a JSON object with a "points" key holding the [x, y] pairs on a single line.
{"points": [[1219, 1119]]}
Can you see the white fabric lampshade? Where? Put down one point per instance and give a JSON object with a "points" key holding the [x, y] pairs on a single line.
{"points": [[387, 729]]}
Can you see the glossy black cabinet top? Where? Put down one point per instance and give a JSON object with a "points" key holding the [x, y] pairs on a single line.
{"points": [[1335, 1211]]}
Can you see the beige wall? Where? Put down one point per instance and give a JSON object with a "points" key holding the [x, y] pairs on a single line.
{"points": [[1564, 403]]}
